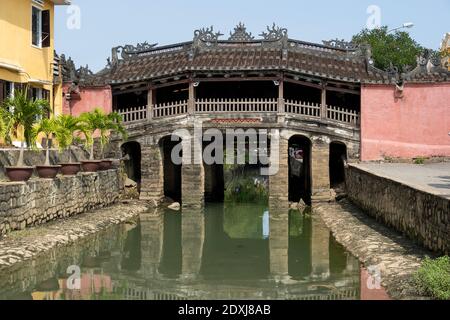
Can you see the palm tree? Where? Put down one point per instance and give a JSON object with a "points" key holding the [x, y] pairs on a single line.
{"points": [[5, 125], [66, 126], [112, 124], [24, 114], [105, 124], [91, 122], [48, 128]]}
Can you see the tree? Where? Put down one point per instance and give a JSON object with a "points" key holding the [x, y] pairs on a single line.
{"points": [[66, 126], [397, 48], [48, 128], [24, 114], [105, 124]]}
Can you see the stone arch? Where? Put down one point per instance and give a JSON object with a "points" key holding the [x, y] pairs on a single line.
{"points": [[337, 162], [132, 151], [299, 163], [172, 172]]}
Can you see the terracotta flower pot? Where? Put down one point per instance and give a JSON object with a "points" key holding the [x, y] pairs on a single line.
{"points": [[47, 172], [106, 165], [90, 165], [70, 169], [18, 174]]}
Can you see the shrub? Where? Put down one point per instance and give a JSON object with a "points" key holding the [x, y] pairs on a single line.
{"points": [[433, 278]]}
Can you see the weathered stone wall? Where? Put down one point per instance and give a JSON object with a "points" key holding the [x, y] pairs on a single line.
{"points": [[422, 216], [41, 200]]}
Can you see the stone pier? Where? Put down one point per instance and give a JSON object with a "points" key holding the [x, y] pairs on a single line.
{"points": [[152, 188], [279, 183], [320, 171]]}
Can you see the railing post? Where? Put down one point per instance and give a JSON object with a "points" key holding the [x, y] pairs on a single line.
{"points": [[323, 105], [150, 104]]}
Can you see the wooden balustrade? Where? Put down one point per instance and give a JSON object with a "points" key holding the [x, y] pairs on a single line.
{"points": [[134, 114], [342, 115], [205, 106], [307, 109], [170, 109], [236, 105]]}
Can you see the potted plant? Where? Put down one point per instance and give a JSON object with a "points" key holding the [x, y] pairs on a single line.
{"points": [[24, 114], [112, 124], [47, 127], [91, 122], [65, 128]]}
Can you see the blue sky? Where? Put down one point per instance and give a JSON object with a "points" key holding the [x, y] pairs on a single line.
{"points": [[108, 23]]}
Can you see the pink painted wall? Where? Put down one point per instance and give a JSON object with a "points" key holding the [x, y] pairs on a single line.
{"points": [[88, 99], [416, 125]]}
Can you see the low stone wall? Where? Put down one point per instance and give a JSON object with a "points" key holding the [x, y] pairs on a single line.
{"points": [[422, 216], [41, 200]]}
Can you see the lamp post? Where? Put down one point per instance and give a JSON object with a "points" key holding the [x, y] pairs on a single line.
{"points": [[406, 25]]}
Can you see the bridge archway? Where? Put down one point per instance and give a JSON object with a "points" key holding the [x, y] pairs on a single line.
{"points": [[299, 155], [133, 164], [338, 158], [171, 171]]}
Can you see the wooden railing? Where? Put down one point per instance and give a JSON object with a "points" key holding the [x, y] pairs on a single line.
{"points": [[222, 106], [236, 105], [342, 115], [170, 109], [135, 114], [307, 109]]}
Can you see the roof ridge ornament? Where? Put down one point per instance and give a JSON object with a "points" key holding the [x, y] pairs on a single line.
{"points": [[340, 44], [206, 37], [240, 34], [274, 33]]}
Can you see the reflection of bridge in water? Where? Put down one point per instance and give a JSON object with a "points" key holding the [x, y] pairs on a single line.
{"points": [[202, 267]]}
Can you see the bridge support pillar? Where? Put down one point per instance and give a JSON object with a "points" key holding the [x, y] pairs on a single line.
{"points": [[279, 244], [279, 182], [193, 179], [320, 171], [152, 234], [320, 252], [152, 188], [193, 237]]}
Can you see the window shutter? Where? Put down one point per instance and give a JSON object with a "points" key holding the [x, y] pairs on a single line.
{"points": [[46, 28]]}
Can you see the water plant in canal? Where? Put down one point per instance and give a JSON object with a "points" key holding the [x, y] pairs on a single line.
{"points": [[433, 278]]}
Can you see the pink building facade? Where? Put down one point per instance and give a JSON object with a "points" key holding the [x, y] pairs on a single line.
{"points": [[414, 123], [86, 98]]}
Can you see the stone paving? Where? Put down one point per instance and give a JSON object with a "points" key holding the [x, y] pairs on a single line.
{"points": [[21, 246], [376, 245], [433, 178]]}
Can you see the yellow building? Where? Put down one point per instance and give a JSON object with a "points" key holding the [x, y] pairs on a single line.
{"points": [[445, 48], [27, 49]]}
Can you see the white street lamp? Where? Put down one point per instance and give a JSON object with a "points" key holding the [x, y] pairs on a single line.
{"points": [[406, 25]]}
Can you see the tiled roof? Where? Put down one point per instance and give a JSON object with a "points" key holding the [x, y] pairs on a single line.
{"points": [[334, 60]]}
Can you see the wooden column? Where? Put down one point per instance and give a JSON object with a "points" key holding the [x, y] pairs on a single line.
{"points": [[323, 108], [150, 103], [191, 101], [281, 97]]}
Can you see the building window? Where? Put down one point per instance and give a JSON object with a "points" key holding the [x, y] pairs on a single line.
{"points": [[40, 27], [6, 90]]}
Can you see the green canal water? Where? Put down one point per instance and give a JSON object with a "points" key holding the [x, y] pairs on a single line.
{"points": [[227, 251]]}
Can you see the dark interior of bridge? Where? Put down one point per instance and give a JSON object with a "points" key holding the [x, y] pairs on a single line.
{"points": [[133, 164], [300, 169], [338, 157], [172, 171]]}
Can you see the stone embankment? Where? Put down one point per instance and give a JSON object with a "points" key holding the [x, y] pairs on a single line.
{"points": [[409, 204], [39, 201], [376, 246]]}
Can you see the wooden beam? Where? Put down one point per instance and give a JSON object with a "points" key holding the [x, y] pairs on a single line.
{"points": [[236, 79], [344, 90], [304, 83]]}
